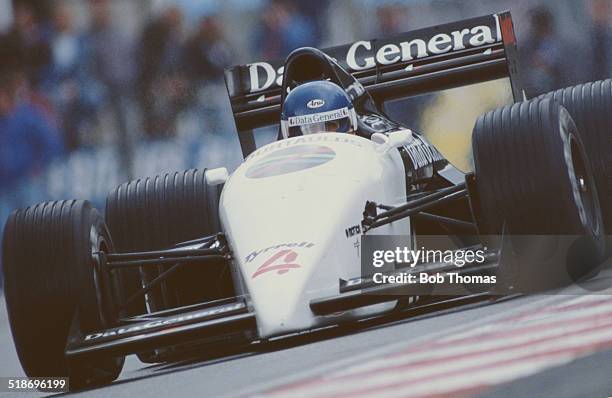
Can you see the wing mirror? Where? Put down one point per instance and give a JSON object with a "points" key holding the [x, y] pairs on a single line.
{"points": [[395, 139]]}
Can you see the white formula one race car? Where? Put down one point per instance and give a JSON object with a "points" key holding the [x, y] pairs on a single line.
{"points": [[187, 261]]}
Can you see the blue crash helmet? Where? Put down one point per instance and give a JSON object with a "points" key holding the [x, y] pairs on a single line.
{"points": [[317, 107]]}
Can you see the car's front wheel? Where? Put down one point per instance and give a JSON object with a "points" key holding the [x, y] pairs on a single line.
{"points": [[156, 213], [52, 277]]}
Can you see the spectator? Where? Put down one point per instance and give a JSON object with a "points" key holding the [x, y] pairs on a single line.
{"points": [[110, 56], [207, 51], [32, 43], [161, 84], [316, 12], [542, 54], [601, 38], [28, 140], [391, 20], [207, 55], [73, 91], [284, 29], [111, 52]]}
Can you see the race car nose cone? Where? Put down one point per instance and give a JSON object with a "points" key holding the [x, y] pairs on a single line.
{"points": [[280, 312]]}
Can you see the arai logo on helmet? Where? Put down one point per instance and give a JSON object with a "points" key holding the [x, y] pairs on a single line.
{"points": [[315, 103]]}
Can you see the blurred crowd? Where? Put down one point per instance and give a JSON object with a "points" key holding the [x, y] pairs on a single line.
{"points": [[67, 86], [59, 81], [548, 60]]}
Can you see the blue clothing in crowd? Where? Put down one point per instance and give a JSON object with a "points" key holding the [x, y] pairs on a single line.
{"points": [[28, 142]]}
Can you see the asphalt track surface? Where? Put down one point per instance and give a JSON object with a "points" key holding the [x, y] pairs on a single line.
{"points": [[321, 364]]}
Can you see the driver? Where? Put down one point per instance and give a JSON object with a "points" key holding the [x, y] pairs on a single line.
{"points": [[317, 107]]}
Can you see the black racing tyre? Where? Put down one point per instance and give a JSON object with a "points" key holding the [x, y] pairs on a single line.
{"points": [[156, 213], [533, 178], [590, 105], [52, 277]]}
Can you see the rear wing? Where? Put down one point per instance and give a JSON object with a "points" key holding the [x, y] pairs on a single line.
{"points": [[426, 60]]}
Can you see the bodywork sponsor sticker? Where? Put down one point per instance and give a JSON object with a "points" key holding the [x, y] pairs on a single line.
{"points": [[170, 321], [309, 139], [283, 259], [406, 47], [320, 117], [281, 263], [289, 160], [252, 255], [352, 231]]}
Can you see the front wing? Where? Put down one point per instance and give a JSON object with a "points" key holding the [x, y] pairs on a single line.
{"points": [[163, 329]]}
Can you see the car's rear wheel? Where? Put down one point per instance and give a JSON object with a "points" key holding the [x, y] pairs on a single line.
{"points": [[535, 183], [157, 213], [590, 105], [51, 277]]}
